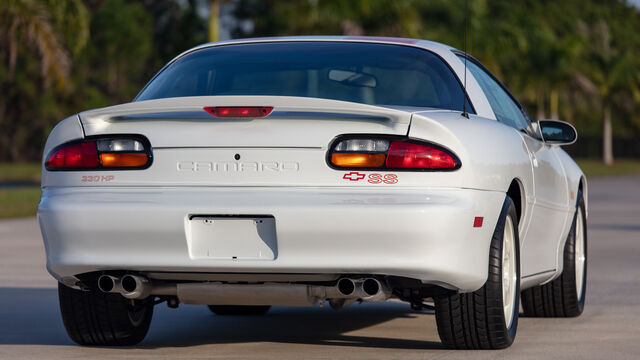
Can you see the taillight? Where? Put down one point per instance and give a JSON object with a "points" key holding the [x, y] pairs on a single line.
{"points": [[77, 155], [238, 111], [104, 153], [360, 153], [408, 155], [391, 154]]}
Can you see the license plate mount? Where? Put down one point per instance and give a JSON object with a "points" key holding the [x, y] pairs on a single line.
{"points": [[232, 237]]}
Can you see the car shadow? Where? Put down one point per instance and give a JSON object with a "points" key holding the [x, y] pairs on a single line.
{"points": [[30, 316]]}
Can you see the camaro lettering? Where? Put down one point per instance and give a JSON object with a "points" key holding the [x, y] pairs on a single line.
{"points": [[230, 166]]}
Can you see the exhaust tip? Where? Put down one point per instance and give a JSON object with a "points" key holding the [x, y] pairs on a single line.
{"points": [[135, 287], [129, 283], [371, 286], [346, 286], [106, 283]]}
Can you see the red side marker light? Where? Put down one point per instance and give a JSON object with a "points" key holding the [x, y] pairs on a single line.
{"points": [[477, 222], [238, 111]]}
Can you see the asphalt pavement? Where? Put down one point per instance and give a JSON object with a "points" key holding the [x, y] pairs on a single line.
{"points": [[31, 327]]}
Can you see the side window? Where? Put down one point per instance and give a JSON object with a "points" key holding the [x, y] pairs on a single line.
{"points": [[506, 110]]}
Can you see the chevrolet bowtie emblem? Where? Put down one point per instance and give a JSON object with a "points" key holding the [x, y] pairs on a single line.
{"points": [[353, 176]]}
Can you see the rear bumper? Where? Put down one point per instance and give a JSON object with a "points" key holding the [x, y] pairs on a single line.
{"points": [[426, 234]]}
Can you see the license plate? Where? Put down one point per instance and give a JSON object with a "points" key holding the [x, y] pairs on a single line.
{"points": [[232, 237]]}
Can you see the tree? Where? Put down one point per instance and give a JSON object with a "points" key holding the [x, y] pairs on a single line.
{"points": [[28, 31], [612, 72]]}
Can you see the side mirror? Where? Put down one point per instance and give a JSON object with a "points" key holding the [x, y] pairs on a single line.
{"points": [[558, 132]]}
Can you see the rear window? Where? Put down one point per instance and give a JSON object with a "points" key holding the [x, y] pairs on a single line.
{"points": [[366, 73]]}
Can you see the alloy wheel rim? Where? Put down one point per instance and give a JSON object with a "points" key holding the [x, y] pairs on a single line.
{"points": [[509, 274], [580, 254]]}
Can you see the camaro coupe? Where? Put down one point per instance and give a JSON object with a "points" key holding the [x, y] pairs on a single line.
{"points": [[309, 170]]}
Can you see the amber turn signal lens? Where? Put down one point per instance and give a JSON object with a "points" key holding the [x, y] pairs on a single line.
{"points": [[123, 159], [358, 160]]}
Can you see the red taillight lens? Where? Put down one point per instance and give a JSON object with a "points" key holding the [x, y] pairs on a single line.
{"points": [[101, 154], [79, 155], [239, 111], [386, 154], [408, 155]]}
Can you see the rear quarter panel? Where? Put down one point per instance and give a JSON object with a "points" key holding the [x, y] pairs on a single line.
{"points": [[491, 153]]}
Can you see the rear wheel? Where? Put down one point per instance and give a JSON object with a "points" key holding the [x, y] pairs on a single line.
{"points": [[97, 318], [487, 318], [564, 296], [239, 309]]}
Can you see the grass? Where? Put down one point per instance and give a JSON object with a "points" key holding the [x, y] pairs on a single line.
{"points": [[596, 168], [16, 202], [23, 201], [20, 172]]}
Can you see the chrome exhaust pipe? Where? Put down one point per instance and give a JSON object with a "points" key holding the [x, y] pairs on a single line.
{"points": [[344, 292], [109, 284], [371, 286], [135, 287], [375, 290], [346, 287], [360, 288]]}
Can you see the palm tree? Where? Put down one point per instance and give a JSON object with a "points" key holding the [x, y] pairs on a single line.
{"points": [[214, 20], [613, 75], [33, 27], [30, 22]]}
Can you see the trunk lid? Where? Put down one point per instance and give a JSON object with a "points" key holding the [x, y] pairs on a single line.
{"points": [[286, 148], [294, 122]]}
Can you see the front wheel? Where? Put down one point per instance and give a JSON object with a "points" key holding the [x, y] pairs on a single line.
{"points": [[487, 318], [564, 296], [97, 318]]}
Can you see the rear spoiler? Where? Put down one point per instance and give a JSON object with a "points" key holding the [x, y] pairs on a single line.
{"points": [[203, 115], [192, 108]]}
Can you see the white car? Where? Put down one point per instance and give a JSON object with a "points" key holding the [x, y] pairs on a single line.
{"points": [[310, 170]]}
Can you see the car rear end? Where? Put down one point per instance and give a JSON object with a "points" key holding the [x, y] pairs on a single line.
{"points": [[189, 194]]}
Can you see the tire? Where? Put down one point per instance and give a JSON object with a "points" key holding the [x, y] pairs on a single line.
{"points": [[239, 310], [564, 296], [480, 320], [97, 318]]}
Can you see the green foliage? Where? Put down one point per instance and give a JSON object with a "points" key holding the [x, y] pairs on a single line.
{"points": [[569, 59], [115, 60], [578, 60], [596, 168], [17, 202], [20, 172], [58, 58]]}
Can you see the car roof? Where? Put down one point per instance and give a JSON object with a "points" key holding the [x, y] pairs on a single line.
{"points": [[425, 44]]}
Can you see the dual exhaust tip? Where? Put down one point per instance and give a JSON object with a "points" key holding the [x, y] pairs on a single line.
{"points": [[129, 286], [138, 287], [359, 287]]}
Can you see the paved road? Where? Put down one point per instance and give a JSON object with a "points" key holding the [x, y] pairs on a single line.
{"points": [[30, 324]]}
